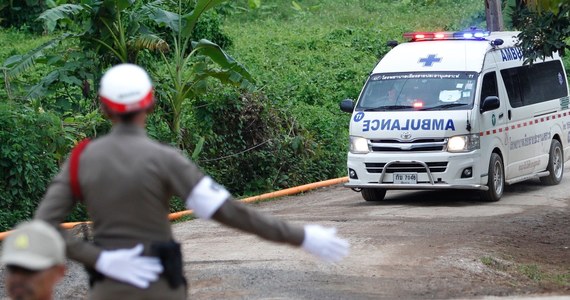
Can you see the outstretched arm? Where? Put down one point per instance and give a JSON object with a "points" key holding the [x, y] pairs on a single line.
{"points": [[210, 200], [315, 239], [236, 215]]}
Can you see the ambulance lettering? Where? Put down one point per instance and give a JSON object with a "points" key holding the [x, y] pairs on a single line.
{"points": [[413, 124], [513, 53]]}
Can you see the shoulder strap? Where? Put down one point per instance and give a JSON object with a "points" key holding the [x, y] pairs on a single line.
{"points": [[74, 169]]}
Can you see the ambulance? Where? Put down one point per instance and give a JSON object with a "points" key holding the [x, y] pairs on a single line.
{"points": [[458, 110]]}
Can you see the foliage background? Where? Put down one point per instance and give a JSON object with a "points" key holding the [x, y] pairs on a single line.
{"points": [[306, 56]]}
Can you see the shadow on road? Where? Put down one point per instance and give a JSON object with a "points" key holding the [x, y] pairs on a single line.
{"points": [[449, 198]]}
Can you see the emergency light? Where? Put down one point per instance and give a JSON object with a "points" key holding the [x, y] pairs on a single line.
{"points": [[418, 104], [470, 34]]}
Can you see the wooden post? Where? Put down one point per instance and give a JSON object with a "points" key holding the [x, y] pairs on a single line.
{"points": [[493, 12]]}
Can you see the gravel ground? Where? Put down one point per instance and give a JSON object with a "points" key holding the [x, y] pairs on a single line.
{"points": [[413, 245]]}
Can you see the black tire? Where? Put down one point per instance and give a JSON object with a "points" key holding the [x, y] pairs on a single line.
{"points": [[555, 164], [373, 194], [496, 180]]}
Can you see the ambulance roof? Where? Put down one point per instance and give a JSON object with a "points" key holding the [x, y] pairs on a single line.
{"points": [[443, 54]]}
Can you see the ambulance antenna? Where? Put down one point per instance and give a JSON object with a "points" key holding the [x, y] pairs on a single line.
{"points": [[468, 123]]}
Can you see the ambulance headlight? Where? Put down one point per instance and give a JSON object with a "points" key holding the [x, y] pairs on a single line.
{"points": [[463, 143], [358, 145]]}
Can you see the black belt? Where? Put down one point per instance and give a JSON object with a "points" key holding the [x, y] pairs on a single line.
{"points": [[170, 255]]}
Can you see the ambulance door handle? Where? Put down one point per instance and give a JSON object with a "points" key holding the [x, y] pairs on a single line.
{"points": [[509, 114], [501, 115]]}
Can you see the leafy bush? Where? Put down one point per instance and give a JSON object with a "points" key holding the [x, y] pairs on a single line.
{"points": [[543, 32], [253, 145], [22, 14], [32, 145], [209, 27], [17, 42], [239, 148], [27, 160]]}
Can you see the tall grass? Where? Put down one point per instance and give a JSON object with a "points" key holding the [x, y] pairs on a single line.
{"points": [[323, 53], [306, 61]]}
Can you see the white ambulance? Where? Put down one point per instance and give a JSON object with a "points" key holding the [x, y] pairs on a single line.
{"points": [[458, 110]]}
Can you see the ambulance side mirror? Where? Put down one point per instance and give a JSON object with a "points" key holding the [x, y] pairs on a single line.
{"points": [[347, 105], [392, 44], [490, 103]]}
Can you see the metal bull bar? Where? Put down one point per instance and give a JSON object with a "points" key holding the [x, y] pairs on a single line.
{"points": [[432, 185], [431, 181]]}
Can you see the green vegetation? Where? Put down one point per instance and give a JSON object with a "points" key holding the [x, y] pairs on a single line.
{"points": [[494, 263], [530, 271], [544, 25], [305, 61], [28, 143], [303, 56], [540, 275]]}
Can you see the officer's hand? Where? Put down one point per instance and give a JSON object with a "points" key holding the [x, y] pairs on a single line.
{"points": [[324, 243], [129, 266]]}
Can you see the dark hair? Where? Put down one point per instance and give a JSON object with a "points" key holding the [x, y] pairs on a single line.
{"points": [[128, 117], [125, 117]]}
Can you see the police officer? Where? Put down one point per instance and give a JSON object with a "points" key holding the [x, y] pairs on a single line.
{"points": [[126, 181]]}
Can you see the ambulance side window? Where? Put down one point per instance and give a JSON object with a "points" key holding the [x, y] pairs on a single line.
{"points": [[512, 84], [489, 86], [527, 85]]}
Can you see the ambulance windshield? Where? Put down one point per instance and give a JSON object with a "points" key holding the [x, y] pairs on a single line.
{"points": [[418, 91]]}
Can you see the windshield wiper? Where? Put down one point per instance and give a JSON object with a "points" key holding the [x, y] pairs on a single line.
{"points": [[388, 107], [444, 106]]}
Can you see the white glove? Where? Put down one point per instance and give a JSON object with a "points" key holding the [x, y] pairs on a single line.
{"points": [[129, 266], [324, 243]]}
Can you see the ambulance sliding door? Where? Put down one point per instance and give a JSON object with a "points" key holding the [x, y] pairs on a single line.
{"points": [[523, 151]]}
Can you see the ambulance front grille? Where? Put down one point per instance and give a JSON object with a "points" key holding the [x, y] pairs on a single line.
{"points": [[434, 167], [394, 145]]}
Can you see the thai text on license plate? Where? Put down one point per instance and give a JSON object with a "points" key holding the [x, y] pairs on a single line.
{"points": [[405, 178]]}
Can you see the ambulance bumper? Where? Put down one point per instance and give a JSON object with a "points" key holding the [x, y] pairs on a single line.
{"points": [[433, 171], [419, 186]]}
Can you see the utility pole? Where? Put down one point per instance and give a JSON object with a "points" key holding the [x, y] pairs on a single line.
{"points": [[494, 14]]}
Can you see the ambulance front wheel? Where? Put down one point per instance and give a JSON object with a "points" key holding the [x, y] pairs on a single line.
{"points": [[555, 164], [496, 181], [373, 194]]}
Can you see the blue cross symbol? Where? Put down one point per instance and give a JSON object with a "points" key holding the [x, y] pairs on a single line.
{"points": [[429, 60], [358, 116]]}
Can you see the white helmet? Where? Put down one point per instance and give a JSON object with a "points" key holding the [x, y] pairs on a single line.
{"points": [[126, 88]]}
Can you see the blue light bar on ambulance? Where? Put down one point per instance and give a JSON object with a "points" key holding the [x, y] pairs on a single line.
{"points": [[474, 34]]}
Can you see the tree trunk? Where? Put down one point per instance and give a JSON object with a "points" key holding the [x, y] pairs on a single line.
{"points": [[493, 12]]}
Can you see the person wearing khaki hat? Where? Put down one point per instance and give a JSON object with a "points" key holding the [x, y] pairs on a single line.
{"points": [[34, 256]]}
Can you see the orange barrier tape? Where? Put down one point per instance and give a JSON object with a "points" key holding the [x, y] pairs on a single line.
{"points": [[68, 225], [4, 234], [295, 190], [280, 193]]}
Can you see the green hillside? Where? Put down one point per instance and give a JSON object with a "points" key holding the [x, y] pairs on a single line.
{"points": [[305, 56]]}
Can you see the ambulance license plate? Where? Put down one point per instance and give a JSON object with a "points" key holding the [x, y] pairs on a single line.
{"points": [[405, 178]]}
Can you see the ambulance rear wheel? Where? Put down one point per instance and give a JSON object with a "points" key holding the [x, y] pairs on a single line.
{"points": [[496, 180], [555, 165], [373, 194]]}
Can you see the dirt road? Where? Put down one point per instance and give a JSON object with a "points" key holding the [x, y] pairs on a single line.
{"points": [[413, 245]]}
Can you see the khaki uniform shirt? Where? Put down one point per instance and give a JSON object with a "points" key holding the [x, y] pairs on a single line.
{"points": [[127, 180]]}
